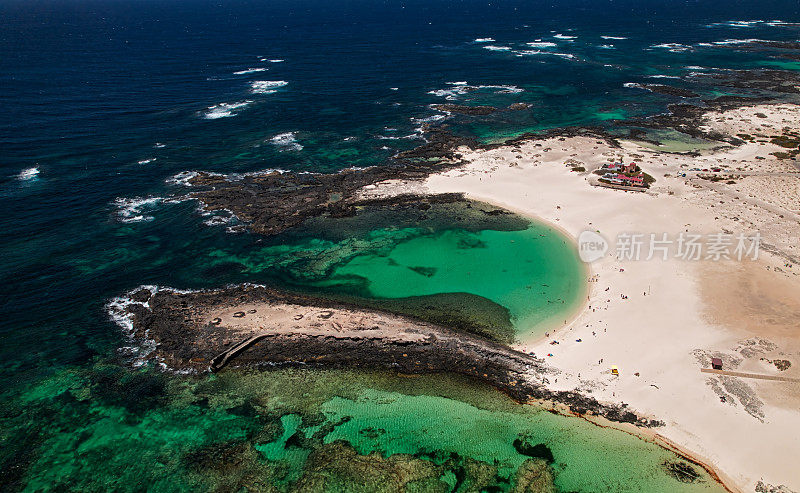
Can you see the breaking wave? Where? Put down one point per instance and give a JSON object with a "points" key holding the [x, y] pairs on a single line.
{"points": [[266, 86], [28, 174], [132, 210], [224, 110], [251, 71], [287, 141]]}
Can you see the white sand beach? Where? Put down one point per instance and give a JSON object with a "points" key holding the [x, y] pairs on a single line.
{"points": [[660, 321]]}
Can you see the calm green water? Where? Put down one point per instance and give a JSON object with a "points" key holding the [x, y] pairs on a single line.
{"points": [[535, 273], [278, 429]]}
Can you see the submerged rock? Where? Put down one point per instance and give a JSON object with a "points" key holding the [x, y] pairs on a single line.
{"points": [[534, 476], [338, 467], [671, 90], [465, 110], [682, 471], [539, 451]]}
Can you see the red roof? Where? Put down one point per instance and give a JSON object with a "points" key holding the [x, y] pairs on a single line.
{"points": [[630, 178]]}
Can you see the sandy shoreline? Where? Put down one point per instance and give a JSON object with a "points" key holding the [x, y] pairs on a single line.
{"points": [[660, 321]]}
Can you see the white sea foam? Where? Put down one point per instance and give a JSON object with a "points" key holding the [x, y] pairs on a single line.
{"points": [[146, 161], [663, 76], [394, 88], [607, 47], [429, 119], [737, 41], [182, 178], [564, 36], [542, 44], [224, 110], [398, 137], [447, 93], [497, 48], [132, 209], [779, 23], [236, 229], [504, 89], [263, 172], [266, 86], [613, 37], [159, 145], [118, 310], [484, 40], [673, 47], [752, 23], [276, 60], [219, 220], [633, 85], [286, 142], [251, 71], [28, 174], [567, 56], [424, 121], [462, 87]]}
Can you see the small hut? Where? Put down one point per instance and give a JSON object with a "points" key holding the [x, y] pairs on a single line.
{"points": [[614, 370], [716, 363]]}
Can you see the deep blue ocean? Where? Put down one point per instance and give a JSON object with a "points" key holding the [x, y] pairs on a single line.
{"points": [[103, 101]]}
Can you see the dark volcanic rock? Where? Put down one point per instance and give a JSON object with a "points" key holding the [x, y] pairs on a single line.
{"points": [[269, 203], [779, 81], [465, 110], [540, 450], [671, 90], [518, 106], [479, 110], [272, 202], [688, 118], [172, 321]]}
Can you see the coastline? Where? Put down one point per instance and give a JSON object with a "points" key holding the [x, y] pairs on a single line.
{"points": [[536, 333], [530, 177], [540, 185], [262, 246]]}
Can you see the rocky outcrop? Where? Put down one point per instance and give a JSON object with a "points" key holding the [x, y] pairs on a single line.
{"points": [[466, 110], [180, 327], [671, 90]]}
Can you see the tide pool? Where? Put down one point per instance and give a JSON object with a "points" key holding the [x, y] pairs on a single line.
{"points": [[535, 273]]}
